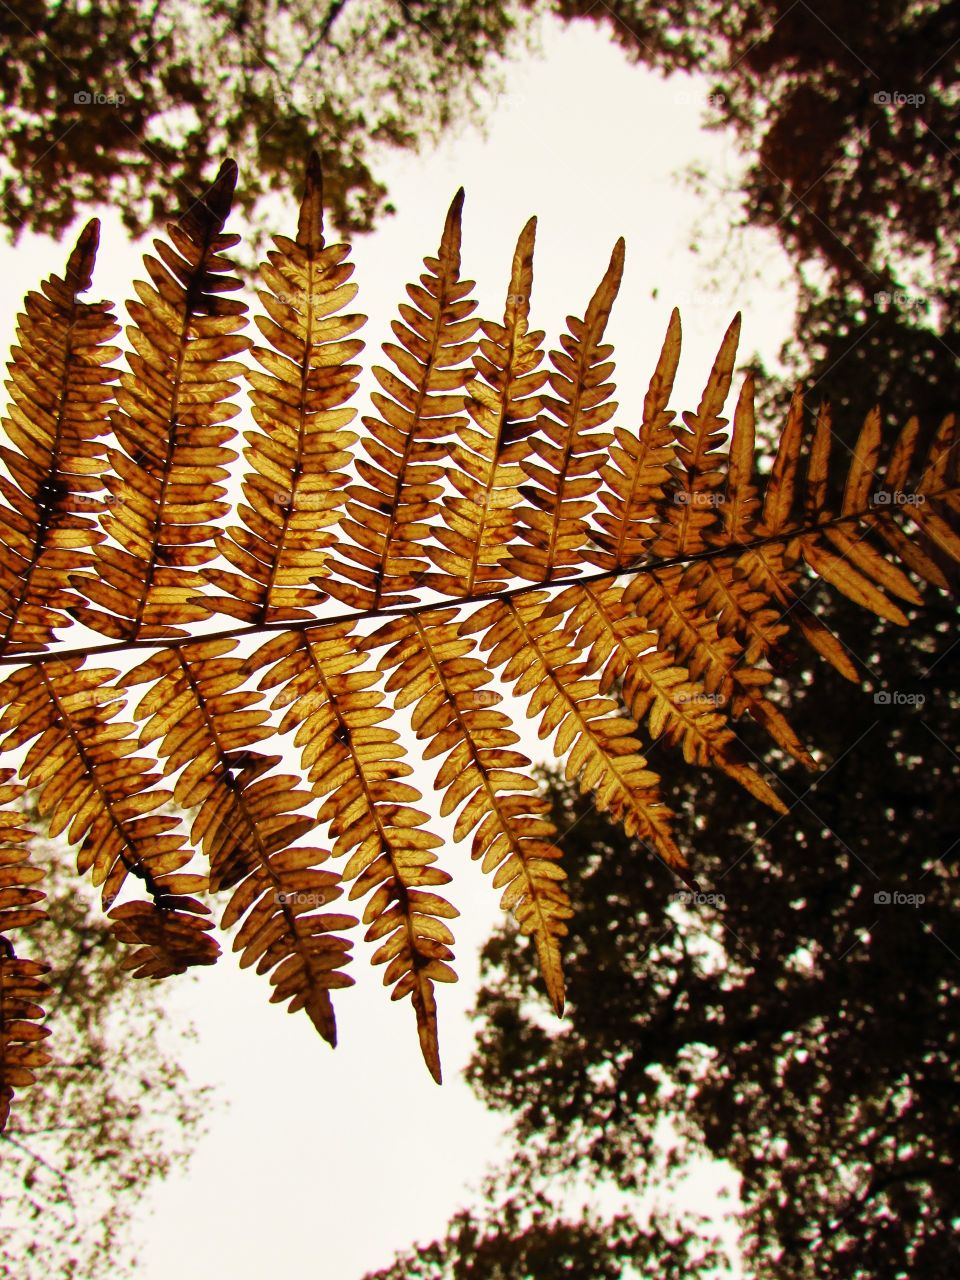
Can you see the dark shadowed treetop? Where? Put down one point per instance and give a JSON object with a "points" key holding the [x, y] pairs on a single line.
{"points": [[848, 113], [136, 104], [522, 1238], [118, 1112], [803, 1026]]}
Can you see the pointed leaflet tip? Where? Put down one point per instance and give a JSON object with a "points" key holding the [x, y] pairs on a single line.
{"points": [[450, 242], [521, 274], [219, 198], [310, 226], [430, 1048], [82, 258], [598, 312]]}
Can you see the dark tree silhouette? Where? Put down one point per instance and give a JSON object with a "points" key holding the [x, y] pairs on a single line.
{"points": [[846, 112], [136, 104], [800, 1023], [118, 1113]]}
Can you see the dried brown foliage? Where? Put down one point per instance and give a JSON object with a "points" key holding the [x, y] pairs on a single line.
{"points": [[494, 531]]}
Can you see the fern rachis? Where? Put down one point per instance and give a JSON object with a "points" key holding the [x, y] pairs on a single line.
{"points": [[493, 537]]}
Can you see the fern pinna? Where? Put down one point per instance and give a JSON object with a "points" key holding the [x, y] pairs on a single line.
{"points": [[493, 526]]}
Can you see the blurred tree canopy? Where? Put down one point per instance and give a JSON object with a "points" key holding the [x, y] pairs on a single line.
{"points": [[799, 1024], [76, 1160], [846, 112], [135, 104], [519, 1235], [847, 118]]}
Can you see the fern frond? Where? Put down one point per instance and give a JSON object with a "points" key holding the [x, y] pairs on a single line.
{"points": [[294, 485], [623, 651], [552, 527], [594, 737], [389, 515], [59, 384], [247, 820], [690, 514], [430, 668], [285, 936], [171, 428], [22, 987], [638, 472], [941, 473], [650, 566], [503, 404], [666, 604], [171, 934], [92, 785], [918, 554], [355, 765]]}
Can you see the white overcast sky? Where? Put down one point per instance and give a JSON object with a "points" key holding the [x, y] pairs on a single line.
{"points": [[322, 1163]]}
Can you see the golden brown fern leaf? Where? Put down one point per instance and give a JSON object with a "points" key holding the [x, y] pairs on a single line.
{"points": [[753, 593], [170, 934], [714, 629], [354, 763], [389, 515], [552, 527], [650, 497], [503, 404], [934, 544], [59, 385], [721, 615], [430, 669], [753, 590], [293, 485], [690, 513], [918, 553], [471, 475], [592, 734], [844, 555], [624, 652], [247, 820], [22, 987], [171, 428], [739, 608], [638, 470], [93, 787]]}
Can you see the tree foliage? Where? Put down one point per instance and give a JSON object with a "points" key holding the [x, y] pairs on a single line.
{"points": [[117, 1111], [798, 1022], [124, 104], [847, 115], [490, 537], [521, 1237]]}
